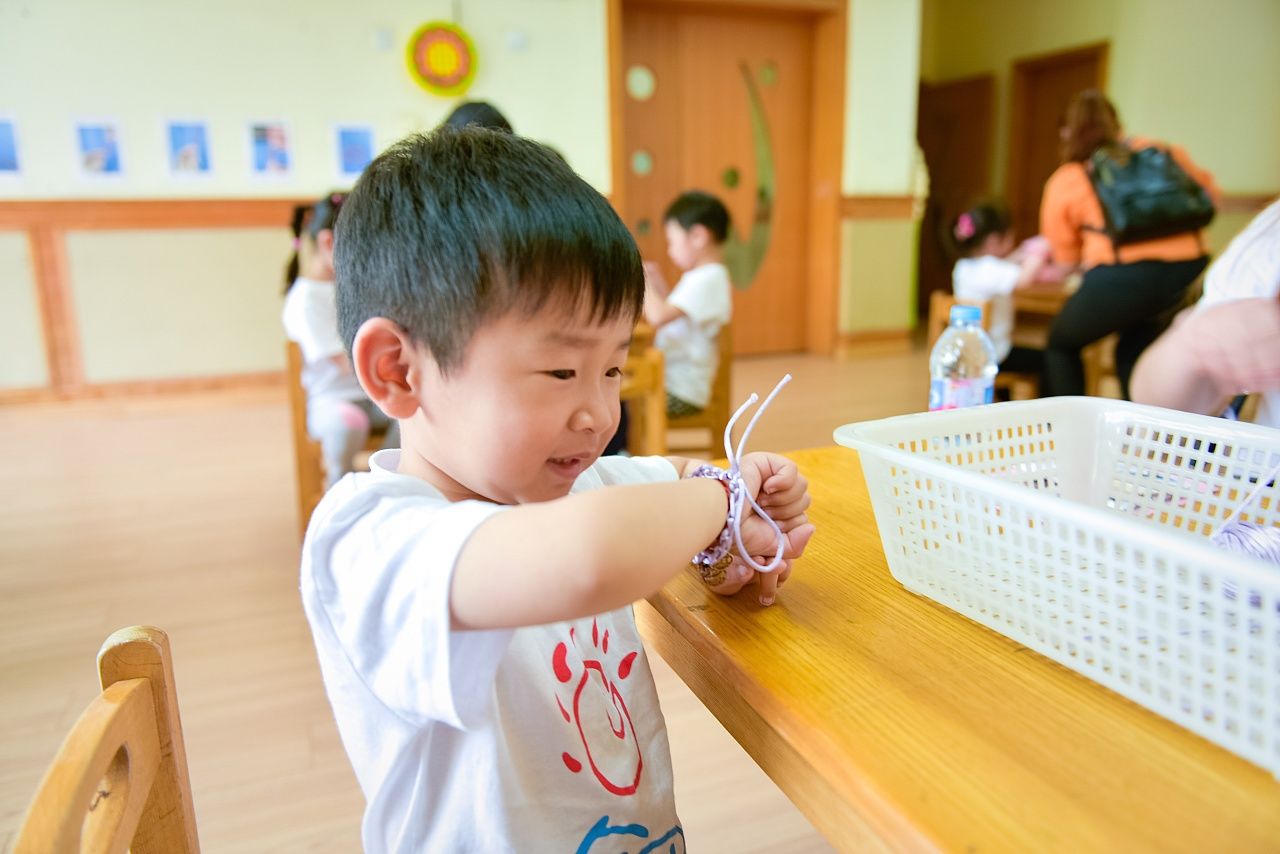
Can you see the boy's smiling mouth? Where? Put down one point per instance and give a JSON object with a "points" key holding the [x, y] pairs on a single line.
{"points": [[571, 466]]}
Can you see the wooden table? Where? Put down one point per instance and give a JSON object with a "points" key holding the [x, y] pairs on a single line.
{"points": [[897, 724]]}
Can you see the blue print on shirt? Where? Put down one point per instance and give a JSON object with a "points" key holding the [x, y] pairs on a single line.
{"points": [[671, 842]]}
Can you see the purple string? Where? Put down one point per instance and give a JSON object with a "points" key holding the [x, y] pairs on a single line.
{"points": [[737, 497], [1238, 534]]}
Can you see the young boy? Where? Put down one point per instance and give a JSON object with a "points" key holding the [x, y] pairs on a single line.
{"points": [[470, 596], [688, 319]]}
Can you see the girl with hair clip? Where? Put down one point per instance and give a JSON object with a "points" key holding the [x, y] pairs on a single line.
{"points": [[339, 415], [989, 270]]}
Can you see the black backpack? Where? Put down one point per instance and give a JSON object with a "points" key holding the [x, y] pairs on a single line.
{"points": [[1145, 194]]}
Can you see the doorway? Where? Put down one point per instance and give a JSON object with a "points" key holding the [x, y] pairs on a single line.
{"points": [[722, 99], [953, 127], [1042, 86]]}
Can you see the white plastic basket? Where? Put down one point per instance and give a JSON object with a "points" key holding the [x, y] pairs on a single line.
{"points": [[1079, 527]]}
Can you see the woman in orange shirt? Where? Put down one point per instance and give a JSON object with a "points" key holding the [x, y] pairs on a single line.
{"points": [[1132, 290]]}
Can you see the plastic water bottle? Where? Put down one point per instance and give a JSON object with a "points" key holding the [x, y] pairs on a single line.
{"points": [[962, 366]]}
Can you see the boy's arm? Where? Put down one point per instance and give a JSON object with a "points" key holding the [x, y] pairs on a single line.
{"points": [[657, 311], [582, 554]]}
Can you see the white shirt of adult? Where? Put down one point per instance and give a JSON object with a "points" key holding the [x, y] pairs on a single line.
{"points": [[546, 738], [310, 317], [1250, 267], [688, 344], [991, 280]]}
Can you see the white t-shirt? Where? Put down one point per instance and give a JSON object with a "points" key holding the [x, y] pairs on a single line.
{"points": [[543, 738], [991, 280], [310, 317], [1248, 268], [688, 343]]}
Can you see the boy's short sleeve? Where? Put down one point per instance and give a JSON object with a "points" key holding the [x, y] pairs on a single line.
{"points": [[705, 295], [382, 586]]}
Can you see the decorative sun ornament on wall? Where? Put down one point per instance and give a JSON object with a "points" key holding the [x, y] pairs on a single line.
{"points": [[442, 58]]}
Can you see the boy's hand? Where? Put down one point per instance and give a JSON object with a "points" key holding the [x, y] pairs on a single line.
{"points": [[654, 280], [783, 493]]}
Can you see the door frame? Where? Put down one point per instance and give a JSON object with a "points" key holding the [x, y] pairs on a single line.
{"points": [[1020, 108], [826, 146]]}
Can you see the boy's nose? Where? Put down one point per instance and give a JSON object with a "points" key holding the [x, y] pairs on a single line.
{"points": [[594, 415]]}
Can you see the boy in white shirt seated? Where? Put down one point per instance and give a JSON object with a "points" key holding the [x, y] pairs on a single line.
{"points": [[470, 596], [687, 319]]}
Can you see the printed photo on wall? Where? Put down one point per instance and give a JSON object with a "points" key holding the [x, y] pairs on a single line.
{"points": [[189, 148], [99, 144], [8, 147], [270, 154], [355, 149]]}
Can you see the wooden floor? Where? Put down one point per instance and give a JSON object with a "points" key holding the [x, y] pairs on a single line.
{"points": [[179, 512]]}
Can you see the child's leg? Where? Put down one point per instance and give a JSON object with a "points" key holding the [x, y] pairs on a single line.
{"points": [[341, 427]]}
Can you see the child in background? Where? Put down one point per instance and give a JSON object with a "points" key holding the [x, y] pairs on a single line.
{"points": [[470, 596], [339, 415], [687, 319], [989, 270]]}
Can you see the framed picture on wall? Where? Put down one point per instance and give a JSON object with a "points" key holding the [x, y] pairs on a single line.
{"points": [[355, 149], [98, 144], [270, 150], [8, 148], [187, 145]]}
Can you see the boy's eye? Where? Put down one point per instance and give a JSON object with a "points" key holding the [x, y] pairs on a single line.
{"points": [[613, 372], [562, 375]]}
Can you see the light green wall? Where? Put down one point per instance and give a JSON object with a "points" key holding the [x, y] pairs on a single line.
{"points": [[178, 303], [1196, 73], [314, 64], [880, 90], [22, 360], [877, 259]]}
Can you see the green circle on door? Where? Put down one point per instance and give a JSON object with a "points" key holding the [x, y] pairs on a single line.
{"points": [[642, 162], [640, 82]]}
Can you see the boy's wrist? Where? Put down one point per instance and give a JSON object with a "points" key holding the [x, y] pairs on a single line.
{"points": [[734, 489]]}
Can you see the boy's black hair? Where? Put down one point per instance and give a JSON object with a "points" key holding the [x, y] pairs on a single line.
{"points": [[972, 227], [446, 230], [698, 208], [312, 219], [479, 113]]}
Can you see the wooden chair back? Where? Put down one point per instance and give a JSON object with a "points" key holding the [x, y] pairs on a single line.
{"points": [[644, 388], [308, 462], [1021, 386], [119, 782], [715, 417]]}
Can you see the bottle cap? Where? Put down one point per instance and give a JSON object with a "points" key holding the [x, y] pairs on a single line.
{"points": [[965, 314]]}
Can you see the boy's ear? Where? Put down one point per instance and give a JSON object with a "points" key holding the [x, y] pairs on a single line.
{"points": [[383, 356], [700, 235]]}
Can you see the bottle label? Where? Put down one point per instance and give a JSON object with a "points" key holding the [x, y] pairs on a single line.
{"points": [[953, 394]]}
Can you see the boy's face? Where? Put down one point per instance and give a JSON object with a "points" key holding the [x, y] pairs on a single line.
{"points": [[531, 407], [685, 247]]}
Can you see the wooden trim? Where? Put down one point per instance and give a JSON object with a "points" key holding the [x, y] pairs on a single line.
{"points": [[617, 154], [826, 162], [145, 388], [877, 207], [1246, 202], [63, 355], [864, 337], [90, 214], [818, 7]]}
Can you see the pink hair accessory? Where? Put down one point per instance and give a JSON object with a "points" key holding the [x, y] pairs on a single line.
{"points": [[297, 242], [964, 227]]}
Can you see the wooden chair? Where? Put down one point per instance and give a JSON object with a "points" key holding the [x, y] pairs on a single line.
{"points": [[307, 460], [715, 417], [644, 387], [119, 782], [1021, 386]]}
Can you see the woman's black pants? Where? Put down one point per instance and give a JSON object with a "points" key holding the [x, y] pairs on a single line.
{"points": [[1137, 300]]}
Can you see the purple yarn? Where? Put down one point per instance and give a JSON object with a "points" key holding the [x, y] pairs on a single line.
{"points": [[1240, 535]]}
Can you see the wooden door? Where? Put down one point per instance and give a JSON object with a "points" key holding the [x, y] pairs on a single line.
{"points": [[720, 101], [953, 127], [1041, 89]]}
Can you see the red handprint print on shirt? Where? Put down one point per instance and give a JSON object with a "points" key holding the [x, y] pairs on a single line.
{"points": [[599, 711]]}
